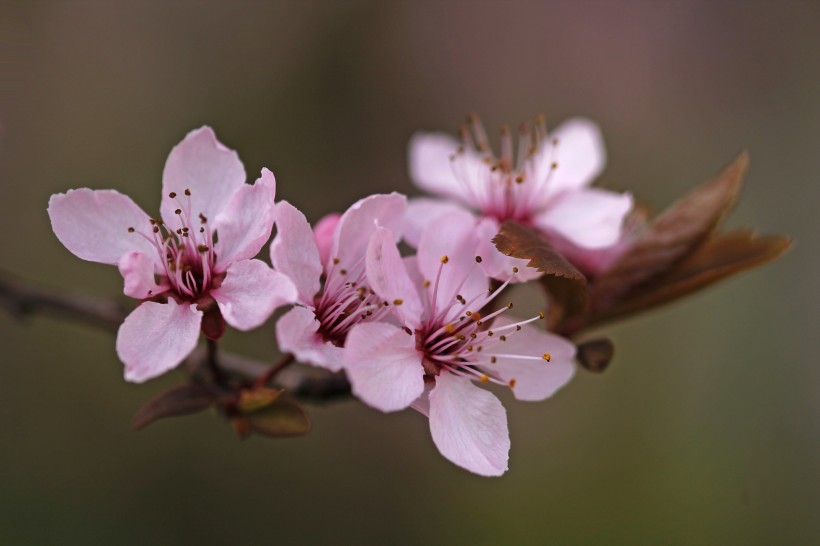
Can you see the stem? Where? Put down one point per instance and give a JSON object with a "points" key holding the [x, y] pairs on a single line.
{"points": [[274, 370], [212, 362]]}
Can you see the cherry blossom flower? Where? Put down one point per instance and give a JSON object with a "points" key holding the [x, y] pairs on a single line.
{"points": [[315, 330], [546, 186], [445, 340], [193, 267]]}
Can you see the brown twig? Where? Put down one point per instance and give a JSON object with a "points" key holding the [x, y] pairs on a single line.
{"points": [[22, 299]]}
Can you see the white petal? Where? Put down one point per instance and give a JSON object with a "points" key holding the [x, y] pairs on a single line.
{"points": [[156, 337], [383, 366], [469, 425], [94, 224]]}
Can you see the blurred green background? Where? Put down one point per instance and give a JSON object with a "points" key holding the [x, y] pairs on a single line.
{"points": [[706, 428]]}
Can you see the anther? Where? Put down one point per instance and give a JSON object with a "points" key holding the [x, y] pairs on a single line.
{"points": [[343, 272], [178, 211], [478, 259], [519, 179], [502, 338], [202, 218], [398, 301], [493, 360], [546, 356], [445, 259], [131, 230], [484, 378], [554, 165], [202, 248], [426, 284], [473, 335], [335, 260], [172, 195], [155, 229], [515, 270], [540, 314], [187, 192], [152, 221], [408, 330], [509, 305], [518, 328], [512, 383], [490, 333], [469, 347]]}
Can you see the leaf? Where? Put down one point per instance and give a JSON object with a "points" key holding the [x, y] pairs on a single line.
{"points": [[181, 400], [565, 283], [719, 257], [595, 354], [673, 234], [251, 400], [284, 417]]}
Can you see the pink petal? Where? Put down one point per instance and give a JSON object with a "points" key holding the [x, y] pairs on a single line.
{"points": [[297, 333], [251, 292], [495, 264], [580, 156], [383, 366], [388, 277], [156, 337], [205, 166], [469, 425], [93, 224], [323, 233], [245, 225], [137, 271], [453, 236], [534, 379], [433, 169], [294, 253], [590, 218], [422, 403], [360, 221], [420, 212]]}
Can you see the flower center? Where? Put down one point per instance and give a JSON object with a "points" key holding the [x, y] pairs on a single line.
{"points": [[461, 340], [502, 187]]}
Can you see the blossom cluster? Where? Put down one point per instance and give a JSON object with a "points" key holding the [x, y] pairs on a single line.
{"points": [[427, 329]]}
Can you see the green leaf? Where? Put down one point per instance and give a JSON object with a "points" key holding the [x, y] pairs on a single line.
{"points": [[284, 417], [181, 400]]}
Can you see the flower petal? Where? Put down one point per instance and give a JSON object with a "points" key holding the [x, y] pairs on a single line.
{"points": [[244, 226], [435, 167], [453, 236], [156, 337], [388, 277], [590, 218], [323, 233], [360, 221], [251, 292], [297, 333], [205, 166], [579, 155], [294, 253], [534, 379], [469, 425], [137, 271], [383, 366], [496, 264], [94, 224], [420, 212]]}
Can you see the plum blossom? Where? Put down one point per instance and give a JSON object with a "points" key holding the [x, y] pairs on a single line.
{"points": [[315, 330], [193, 267], [546, 186], [444, 340]]}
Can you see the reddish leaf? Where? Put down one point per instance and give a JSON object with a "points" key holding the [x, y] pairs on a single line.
{"points": [[181, 400], [595, 354], [565, 284], [284, 417], [673, 234], [719, 257]]}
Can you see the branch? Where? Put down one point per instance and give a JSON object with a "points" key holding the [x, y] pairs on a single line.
{"points": [[22, 299]]}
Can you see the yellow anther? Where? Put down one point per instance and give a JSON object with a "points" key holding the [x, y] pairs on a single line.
{"points": [[445, 259], [546, 356], [511, 383], [336, 260], [398, 301], [450, 328], [540, 314], [426, 284], [485, 378], [509, 305], [515, 270], [554, 165]]}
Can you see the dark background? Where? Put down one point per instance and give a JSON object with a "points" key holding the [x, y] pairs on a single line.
{"points": [[706, 429]]}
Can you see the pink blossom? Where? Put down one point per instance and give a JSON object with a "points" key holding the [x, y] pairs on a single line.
{"points": [[445, 340], [546, 186], [194, 262], [315, 331]]}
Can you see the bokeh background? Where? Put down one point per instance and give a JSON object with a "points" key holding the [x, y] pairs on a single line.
{"points": [[706, 428]]}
